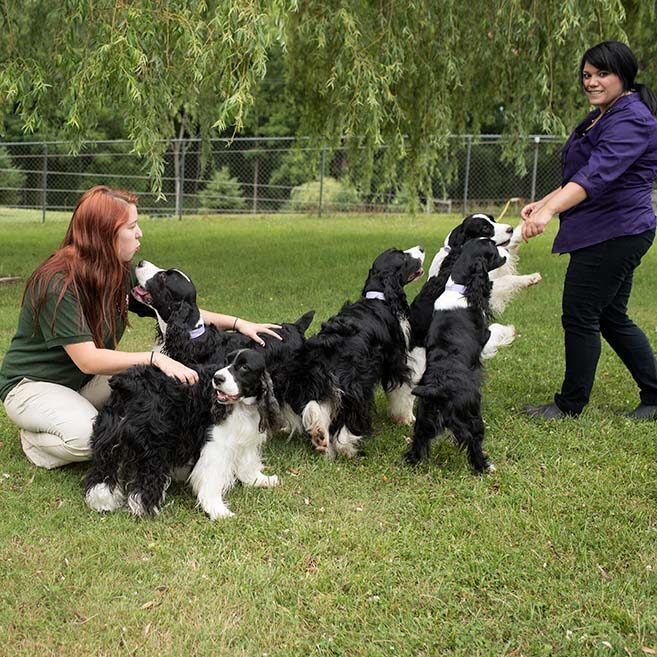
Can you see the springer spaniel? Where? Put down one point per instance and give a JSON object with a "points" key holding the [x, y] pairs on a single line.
{"points": [[506, 283], [184, 337], [154, 428], [366, 343], [449, 390]]}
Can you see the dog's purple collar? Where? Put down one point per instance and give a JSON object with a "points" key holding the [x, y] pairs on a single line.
{"points": [[447, 248], [375, 295], [455, 287], [197, 332]]}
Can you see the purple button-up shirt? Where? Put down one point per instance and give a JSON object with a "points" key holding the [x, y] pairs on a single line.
{"points": [[616, 163]]}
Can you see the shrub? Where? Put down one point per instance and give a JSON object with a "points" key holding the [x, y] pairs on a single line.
{"points": [[11, 177], [336, 196], [223, 192]]}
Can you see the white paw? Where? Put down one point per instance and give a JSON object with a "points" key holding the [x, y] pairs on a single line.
{"points": [[216, 509], [535, 278], [101, 498], [262, 481], [136, 506], [490, 468], [403, 420]]}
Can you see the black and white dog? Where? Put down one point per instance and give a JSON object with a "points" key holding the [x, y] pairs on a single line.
{"points": [[366, 343], [184, 337], [154, 428], [449, 391], [506, 283]]}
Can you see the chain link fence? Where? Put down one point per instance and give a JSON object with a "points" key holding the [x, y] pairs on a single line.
{"points": [[268, 175]]}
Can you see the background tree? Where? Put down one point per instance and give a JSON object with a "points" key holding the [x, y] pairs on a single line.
{"points": [[404, 74]]}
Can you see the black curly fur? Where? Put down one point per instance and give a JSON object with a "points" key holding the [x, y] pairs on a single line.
{"points": [[449, 391], [474, 226], [361, 346], [153, 424]]}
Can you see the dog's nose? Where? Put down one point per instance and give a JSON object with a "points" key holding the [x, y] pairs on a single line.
{"points": [[509, 230], [218, 379], [140, 263], [420, 248]]}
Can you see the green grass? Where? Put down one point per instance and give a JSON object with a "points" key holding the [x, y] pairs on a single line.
{"points": [[555, 554]]}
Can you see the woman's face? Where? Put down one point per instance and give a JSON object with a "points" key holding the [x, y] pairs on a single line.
{"points": [[601, 87], [127, 240]]}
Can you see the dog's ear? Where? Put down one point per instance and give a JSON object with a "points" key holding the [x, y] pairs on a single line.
{"points": [[271, 419], [304, 321], [457, 237], [393, 290], [478, 285]]}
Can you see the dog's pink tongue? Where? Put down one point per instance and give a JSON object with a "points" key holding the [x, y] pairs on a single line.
{"points": [[141, 294]]}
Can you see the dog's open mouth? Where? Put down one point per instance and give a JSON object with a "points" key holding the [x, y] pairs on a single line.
{"points": [[142, 294], [415, 275], [504, 243], [224, 398]]}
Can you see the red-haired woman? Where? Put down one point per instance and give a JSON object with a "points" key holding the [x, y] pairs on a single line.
{"points": [[75, 308]]}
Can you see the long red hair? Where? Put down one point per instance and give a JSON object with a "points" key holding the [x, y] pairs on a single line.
{"points": [[89, 262]]}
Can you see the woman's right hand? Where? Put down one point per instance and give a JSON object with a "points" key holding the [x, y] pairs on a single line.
{"points": [[531, 208], [174, 369]]}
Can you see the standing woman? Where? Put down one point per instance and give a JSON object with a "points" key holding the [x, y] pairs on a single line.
{"points": [[54, 377], [607, 223]]}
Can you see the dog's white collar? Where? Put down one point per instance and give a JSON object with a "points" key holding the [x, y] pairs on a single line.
{"points": [[375, 295], [455, 287], [197, 332]]}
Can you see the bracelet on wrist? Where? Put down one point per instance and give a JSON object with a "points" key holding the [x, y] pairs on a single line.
{"points": [[152, 356], [235, 323]]}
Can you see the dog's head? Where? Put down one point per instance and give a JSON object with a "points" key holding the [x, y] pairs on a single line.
{"points": [[477, 258], [476, 226], [245, 379], [167, 292], [393, 269]]}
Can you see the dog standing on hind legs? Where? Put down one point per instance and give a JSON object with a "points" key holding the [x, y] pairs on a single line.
{"points": [[449, 391]]}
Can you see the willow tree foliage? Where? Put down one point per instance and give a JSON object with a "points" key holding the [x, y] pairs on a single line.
{"points": [[404, 74]]}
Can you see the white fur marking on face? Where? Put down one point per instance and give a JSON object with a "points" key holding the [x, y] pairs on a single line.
{"points": [[229, 386], [145, 272], [416, 252]]}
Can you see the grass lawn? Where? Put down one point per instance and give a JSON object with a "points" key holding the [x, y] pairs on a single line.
{"points": [[555, 554]]}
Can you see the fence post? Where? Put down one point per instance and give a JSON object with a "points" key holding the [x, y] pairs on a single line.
{"points": [[537, 142], [466, 180], [256, 167], [182, 182], [44, 182], [321, 180]]}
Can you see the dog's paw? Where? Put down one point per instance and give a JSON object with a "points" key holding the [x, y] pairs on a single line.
{"points": [[216, 509], [264, 481], [137, 508], [101, 498], [534, 278], [404, 420]]}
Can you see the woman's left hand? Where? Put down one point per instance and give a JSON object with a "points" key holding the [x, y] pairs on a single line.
{"points": [[251, 330], [536, 222]]}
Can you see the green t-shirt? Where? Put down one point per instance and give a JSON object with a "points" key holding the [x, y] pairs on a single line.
{"points": [[37, 350]]}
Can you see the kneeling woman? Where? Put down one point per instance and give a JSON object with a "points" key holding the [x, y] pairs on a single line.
{"points": [[54, 377]]}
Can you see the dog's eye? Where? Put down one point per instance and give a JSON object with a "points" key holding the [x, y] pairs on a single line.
{"points": [[244, 367]]}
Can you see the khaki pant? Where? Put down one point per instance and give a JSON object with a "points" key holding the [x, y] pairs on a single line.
{"points": [[55, 421]]}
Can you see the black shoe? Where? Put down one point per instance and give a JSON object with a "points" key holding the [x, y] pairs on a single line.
{"points": [[643, 412], [544, 411]]}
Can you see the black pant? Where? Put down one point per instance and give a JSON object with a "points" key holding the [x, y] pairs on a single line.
{"points": [[595, 294]]}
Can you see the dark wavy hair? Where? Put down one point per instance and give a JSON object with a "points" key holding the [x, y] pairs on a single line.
{"points": [[89, 263], [617, 58]]}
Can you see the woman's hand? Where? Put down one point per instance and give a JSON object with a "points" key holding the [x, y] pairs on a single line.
{"points": [[174, 369], [251, 330], [531, 208], [536, 220]]}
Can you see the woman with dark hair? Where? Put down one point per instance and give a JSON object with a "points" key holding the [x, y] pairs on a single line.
{"points": [[54, 377], [607, 224]]}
